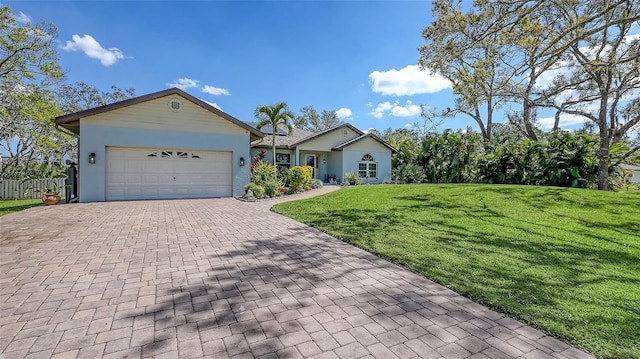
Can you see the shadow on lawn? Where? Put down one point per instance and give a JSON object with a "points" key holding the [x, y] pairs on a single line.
{"points": [[538, 275]]}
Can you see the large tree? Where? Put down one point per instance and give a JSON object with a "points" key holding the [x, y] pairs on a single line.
{"points": [[310, 120], [81, 96], [28, 71], [475, 66], [27, 51], [585, 46], [600, 80], [274, 116]]}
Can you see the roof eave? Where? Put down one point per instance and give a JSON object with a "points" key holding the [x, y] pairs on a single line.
{"points": [[352, 141], [321, 133], [76, 116]]}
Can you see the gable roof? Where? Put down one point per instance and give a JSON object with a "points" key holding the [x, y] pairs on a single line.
{"points": [[70, 120], [282, 141], [370, 135], [318, 134], [299, 136]]}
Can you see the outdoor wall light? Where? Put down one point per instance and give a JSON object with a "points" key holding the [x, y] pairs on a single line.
{"points": [[92, 158], [241, 161]]}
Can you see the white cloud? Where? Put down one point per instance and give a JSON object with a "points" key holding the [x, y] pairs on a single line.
{"points": [[22, 17], [344, 113], [213, 104], [93, 49], [395, 109], [567, 67], [183, 83], [212, 90], [379, 111], [566, 120], [408, 125], [407, 81]]}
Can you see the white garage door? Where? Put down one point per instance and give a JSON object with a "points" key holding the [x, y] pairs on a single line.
{"points": [[143, 173]]}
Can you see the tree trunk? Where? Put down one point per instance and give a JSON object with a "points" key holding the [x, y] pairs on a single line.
{"points": [[273, 147], [556, 123], [603, 159], [526, 119]]}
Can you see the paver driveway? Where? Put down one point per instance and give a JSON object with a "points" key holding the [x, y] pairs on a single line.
{"points": [[221, 278]]}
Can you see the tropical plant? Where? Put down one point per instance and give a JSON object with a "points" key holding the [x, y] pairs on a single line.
{"points": [[262, 173], [315, 183], [274, 116], [283, 176], [450, 157], [259, 157], [352, 178], [409, 173], [556, 159]]}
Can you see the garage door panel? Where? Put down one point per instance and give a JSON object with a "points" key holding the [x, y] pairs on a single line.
{"points": [[168, 173]]}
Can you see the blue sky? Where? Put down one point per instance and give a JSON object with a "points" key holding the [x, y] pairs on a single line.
{"points": [[357, 57]]}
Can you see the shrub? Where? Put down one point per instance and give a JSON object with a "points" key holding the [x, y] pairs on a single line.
{"points": [[307, 172], [296, 177], [271, 188], [262, 173], [283, 176], [258, 191], [315, 183], [409, 173], [352, 178]]}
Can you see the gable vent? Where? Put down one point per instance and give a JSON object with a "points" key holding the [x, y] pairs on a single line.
{"points": [[175, 105]]}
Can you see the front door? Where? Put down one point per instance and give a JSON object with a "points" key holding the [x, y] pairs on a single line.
{"points": [[312, 160]]}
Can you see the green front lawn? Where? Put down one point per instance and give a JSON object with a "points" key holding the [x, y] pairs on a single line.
{"points": [[566, 261], [11, 205]]}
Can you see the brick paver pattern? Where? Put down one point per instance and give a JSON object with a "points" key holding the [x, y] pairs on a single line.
{"points": [[221, 278]]}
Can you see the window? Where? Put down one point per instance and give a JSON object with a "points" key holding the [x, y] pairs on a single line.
{"points": [[367, 167], [170, 154], [283, 160]]}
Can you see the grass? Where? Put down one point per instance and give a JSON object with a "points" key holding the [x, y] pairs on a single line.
{"points": [[566, 261], [11, 205]]}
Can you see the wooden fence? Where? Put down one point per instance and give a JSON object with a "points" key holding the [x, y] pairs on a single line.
{"points": [[31, 189]]}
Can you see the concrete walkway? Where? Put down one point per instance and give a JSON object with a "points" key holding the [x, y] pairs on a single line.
{"points": [[222, 278]]}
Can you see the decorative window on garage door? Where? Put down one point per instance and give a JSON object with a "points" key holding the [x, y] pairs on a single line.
{"points": [[172, 154]]}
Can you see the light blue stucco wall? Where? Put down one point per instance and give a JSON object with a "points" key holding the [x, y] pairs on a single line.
{"points": [[383, 158], [96, 139], [334, 165]]}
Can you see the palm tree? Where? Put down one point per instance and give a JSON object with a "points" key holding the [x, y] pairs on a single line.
{"points": [[274, 115]]}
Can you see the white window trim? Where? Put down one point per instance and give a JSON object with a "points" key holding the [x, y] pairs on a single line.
{"points": [[367, 163]]}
